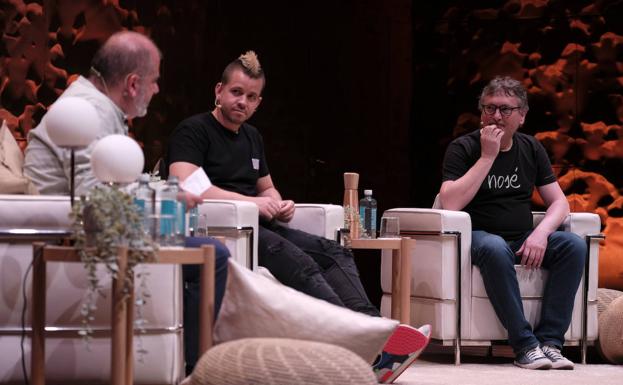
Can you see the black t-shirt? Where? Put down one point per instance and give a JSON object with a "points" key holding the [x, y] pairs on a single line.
{"points": [[502, 204], [232, 161]]}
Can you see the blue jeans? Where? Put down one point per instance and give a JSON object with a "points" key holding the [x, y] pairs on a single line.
{"points": [[564, 258], [192, 296], [313, 265]]}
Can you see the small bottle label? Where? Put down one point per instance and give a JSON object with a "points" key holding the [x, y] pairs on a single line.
{"points": [[168, 210]]}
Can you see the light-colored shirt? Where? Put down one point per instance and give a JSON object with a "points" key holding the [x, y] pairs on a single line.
{"points": [[49, 166]]}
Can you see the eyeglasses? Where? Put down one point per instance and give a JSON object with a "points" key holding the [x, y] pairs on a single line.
{"points": [[505, 111]]}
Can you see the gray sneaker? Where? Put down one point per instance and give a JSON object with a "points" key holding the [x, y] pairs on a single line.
{"points": [[533, 359], [558, 360]]}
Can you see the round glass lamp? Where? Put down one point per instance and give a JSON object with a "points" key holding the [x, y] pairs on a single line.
{"points": [[72, 123], [117, 159]]}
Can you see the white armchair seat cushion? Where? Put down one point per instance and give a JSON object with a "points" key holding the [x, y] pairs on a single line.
{"points": [[531, 283]]}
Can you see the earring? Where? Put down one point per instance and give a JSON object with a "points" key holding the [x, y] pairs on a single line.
{"points": [[217, 104]]}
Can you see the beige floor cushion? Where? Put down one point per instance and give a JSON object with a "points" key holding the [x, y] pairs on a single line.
{"points": [[280, 361], [610, 341]]}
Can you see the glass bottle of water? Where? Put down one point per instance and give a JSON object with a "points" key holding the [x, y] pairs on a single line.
{"points": [[144, 199], [367, 214], [172, 214]]}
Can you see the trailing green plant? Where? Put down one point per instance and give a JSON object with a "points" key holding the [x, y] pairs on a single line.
{"points": [[103, 220]]}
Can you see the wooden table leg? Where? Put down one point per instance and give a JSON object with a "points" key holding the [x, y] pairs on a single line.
{"points": [[119, 323], [37, 352], [396, 284], [206, 305], [406, 248]]}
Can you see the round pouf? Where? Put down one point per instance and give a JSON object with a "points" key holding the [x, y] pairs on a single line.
{"points": [[280, 361], [611, 332]]}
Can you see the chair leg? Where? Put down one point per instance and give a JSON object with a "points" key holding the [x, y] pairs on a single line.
{"points": [[459, 299]]}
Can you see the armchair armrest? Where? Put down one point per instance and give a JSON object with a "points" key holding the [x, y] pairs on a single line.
{"points": [[441, 260], [237, 221], [319, 219], [582, 224]]}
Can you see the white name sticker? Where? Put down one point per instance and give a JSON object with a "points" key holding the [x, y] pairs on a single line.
{"points": [[256, 163]]}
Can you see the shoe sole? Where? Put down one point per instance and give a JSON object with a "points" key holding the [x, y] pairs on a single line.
{"points": [[402, 342], [562, 366], [536, 365]]}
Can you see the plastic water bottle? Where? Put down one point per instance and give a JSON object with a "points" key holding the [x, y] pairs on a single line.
{"points": [[172, 214], [367, 214], [144, 199]]}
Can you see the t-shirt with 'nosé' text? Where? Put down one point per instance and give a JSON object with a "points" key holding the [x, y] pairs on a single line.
{"points": [[502, 204]]}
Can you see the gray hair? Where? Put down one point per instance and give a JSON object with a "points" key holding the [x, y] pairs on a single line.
{"points": [[505, 86], [122, 54]]}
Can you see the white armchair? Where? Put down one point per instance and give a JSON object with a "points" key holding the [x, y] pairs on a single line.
{"points": [[66, 354], [448, 292], [237, 221]]}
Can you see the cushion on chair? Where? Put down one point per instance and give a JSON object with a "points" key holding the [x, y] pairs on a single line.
{"points": [[279, 361], [12, 179], [256, 306], [610, 341]]}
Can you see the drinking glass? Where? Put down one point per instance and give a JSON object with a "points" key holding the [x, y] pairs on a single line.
{"points": [[161, 228], [202, 226], [390, 227]]}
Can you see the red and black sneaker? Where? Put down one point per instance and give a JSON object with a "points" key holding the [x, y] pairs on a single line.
{"points": [[400, 351]]}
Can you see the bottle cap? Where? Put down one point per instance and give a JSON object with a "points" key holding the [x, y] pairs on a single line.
{"points": [[144, 178], [172, 179], [367, 192]]}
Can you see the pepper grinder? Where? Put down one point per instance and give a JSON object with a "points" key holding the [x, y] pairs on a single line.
{"points": [[351, 203]]}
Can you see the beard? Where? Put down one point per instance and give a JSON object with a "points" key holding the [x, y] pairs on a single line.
{"points": [[141, 103]]}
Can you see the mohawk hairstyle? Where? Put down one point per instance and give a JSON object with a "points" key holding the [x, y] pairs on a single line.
{"points": [[248, 63]]}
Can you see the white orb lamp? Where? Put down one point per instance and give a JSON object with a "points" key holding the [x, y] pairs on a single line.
{"points": [[72, 123], [117, 159]]}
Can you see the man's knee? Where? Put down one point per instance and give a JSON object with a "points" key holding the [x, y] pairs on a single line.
{"points": [[570, 246], [488, 249]]}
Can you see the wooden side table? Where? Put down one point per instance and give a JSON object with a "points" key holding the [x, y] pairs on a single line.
{"points": [[401, 271], [122, 321]]}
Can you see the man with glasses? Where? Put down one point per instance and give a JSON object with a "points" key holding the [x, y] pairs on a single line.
{"points": [[491, 174]]}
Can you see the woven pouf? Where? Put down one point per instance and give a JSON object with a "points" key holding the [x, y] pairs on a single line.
{"points": [[611, 326], [280, 361]]}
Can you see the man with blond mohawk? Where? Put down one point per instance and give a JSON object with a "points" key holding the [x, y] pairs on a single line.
{"points": [[231, 152]]}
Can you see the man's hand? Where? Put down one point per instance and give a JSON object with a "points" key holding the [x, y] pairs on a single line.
{"points": [[286, 212], [269, 208], [490, 138], [533, 249], [191, 200]]}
